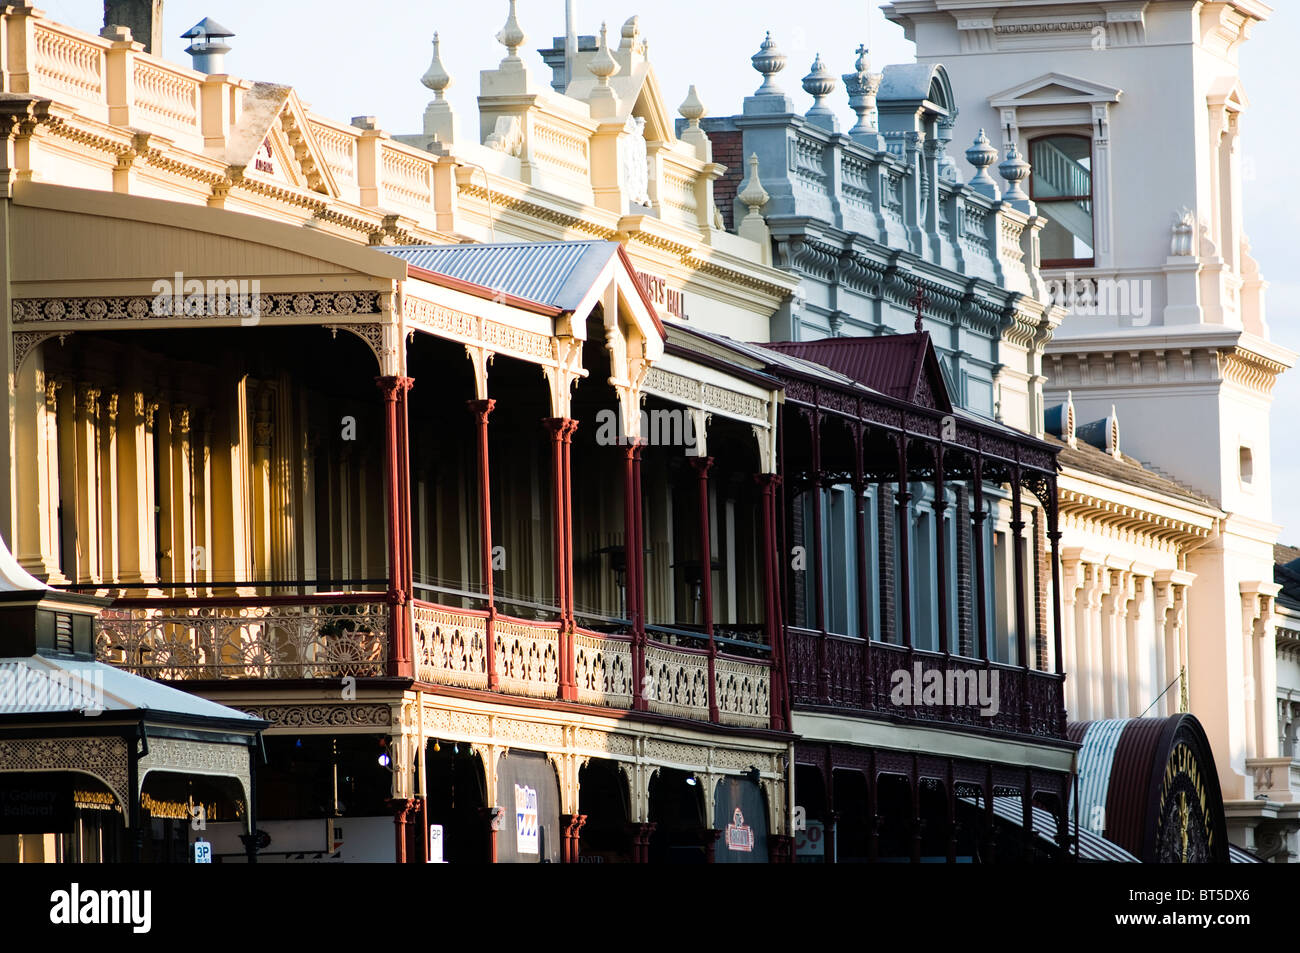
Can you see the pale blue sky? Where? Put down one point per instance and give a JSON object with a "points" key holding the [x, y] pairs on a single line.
{"points": [[347, 58]]}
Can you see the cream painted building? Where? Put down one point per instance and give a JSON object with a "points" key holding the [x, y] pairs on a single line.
{"points": [[294, 542]]}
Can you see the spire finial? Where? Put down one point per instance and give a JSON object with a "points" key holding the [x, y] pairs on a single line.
{"points": [[603, 65], [512, 37], [436, 76]]}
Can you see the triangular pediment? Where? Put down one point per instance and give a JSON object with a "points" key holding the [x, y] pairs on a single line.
{"points": [[1055, 89], [274, 142]]}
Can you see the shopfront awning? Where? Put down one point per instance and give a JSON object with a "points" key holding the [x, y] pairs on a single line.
{"points": [[1092, 847]]}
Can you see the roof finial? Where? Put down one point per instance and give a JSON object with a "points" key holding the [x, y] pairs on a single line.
{"points": [[768, 61], [918, 301], [512, 37], [436, 76], [603, 65]]}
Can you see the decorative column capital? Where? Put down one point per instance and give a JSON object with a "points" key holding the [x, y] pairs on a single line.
{"points": [[481, 408]]}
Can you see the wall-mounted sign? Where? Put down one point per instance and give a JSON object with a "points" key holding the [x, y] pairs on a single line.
{"points": [[262, 162], [669, 300], [526, 840], [435, 844], [740, 836]]}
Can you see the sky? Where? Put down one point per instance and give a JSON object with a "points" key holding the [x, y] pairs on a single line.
{"points": [[347, 59]]}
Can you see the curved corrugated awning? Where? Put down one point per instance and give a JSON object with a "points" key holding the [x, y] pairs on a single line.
{"points": [[1091, 846]]}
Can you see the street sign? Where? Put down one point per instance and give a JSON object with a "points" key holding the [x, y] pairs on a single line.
{"points": [[435, 844], [202, 852]]}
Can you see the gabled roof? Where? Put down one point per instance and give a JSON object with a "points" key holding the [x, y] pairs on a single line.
{"points": [[900, 365], [553, 274], [547, 277]]}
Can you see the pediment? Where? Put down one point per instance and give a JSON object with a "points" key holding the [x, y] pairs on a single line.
{"points": [[274, 142], [1055, 89]]}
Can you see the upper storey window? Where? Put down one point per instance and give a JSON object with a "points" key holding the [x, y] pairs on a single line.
{"points": [[1061, 186]]}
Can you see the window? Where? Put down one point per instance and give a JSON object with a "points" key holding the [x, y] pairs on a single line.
{"points": [[1061, 185], [1246, 466]]}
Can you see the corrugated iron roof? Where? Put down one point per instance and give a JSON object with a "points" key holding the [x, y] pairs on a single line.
{"points": [[900, 365], [40, 685], [1091, 846], [552, 274]]}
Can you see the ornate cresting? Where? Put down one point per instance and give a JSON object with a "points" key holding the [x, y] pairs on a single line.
{"points": [[244, 639]]}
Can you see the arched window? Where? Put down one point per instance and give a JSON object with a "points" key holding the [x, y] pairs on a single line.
{"points": [[1061, 186]]}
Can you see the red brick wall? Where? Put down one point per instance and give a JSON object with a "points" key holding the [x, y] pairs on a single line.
{"points": [[728, 150]]}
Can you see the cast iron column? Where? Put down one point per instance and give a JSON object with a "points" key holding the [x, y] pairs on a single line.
{"points": [[481, 409], [702, 466], [397, 503]]}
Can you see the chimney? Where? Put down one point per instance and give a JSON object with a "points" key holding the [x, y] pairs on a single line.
{"points": [[142, 17], [207, 45]]}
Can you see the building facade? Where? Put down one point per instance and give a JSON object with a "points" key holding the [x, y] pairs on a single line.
{"points": [[1165, 326]]}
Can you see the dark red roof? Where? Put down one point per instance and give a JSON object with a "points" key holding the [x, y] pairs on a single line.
{"points": [[900, 365]]}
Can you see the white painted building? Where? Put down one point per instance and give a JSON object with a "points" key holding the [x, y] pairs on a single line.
{"points": [[1130, 114]]}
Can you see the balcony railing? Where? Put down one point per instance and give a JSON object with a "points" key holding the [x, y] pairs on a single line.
{"points": [[220, 638], [831, 671], [330, 636]]}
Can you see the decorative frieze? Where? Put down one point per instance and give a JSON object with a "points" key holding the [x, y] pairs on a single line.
{"points": [[219, 306]]}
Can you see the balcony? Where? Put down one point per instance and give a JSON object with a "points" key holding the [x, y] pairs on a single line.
{"points": [[846, 674], [181, 639]]}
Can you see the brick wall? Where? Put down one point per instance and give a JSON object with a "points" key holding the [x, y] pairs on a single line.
{"points": [[728, 150]]}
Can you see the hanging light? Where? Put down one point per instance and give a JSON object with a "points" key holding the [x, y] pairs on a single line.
{"points": [[455, 749], [436, 747]]}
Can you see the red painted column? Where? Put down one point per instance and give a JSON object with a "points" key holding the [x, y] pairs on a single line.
{"points": [[570, 830], [569, 687], [398, 517], [561, 430], [632, 567], [481, 409], [772, 602], [702, 466], [400, 807]]}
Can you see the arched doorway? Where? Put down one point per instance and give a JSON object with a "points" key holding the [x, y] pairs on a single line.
{"points": [[677, 811], [603, 800]]}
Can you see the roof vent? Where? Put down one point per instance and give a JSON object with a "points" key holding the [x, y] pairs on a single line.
{"points": [[206, 45]]}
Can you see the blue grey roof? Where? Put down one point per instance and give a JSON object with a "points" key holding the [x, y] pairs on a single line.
{"points": [[558, 274]]}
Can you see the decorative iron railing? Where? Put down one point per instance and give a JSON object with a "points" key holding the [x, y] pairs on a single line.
{"points": [[450, 646], [527, 657], [603, 665], [831, 671], [181, 640], [677, 681], [743, 690]]}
